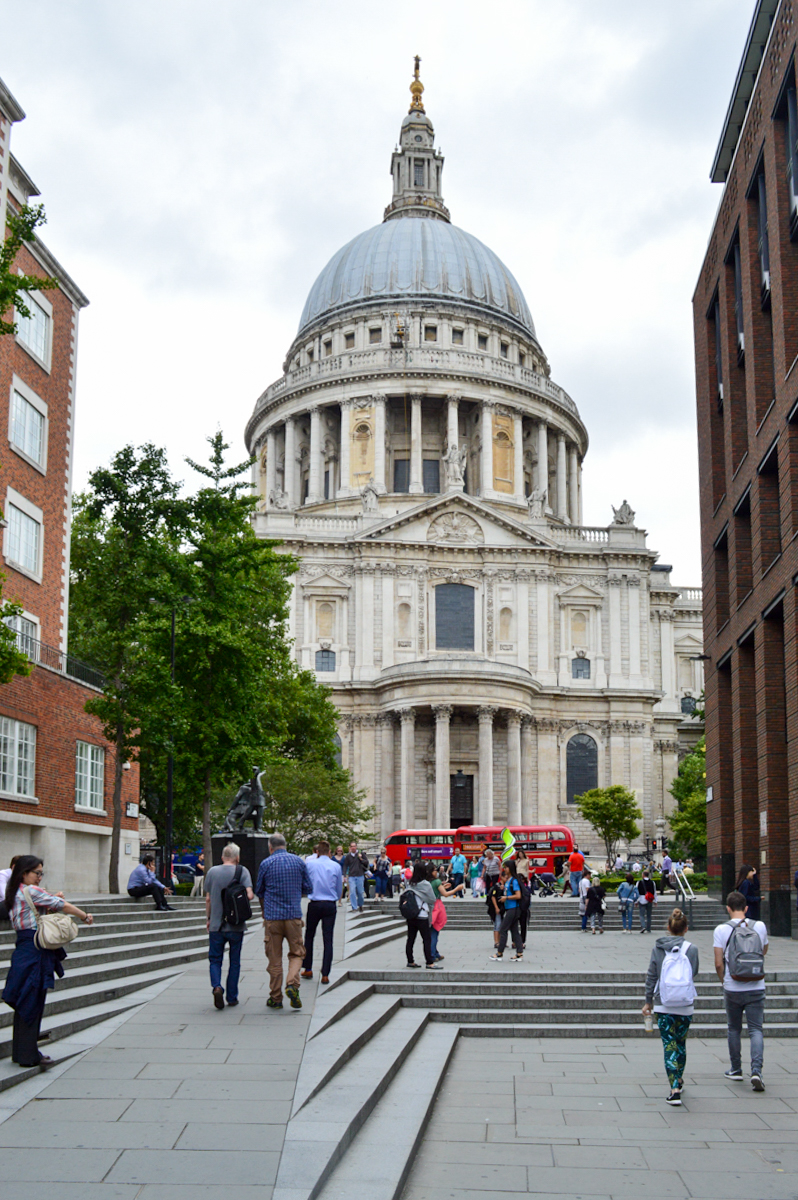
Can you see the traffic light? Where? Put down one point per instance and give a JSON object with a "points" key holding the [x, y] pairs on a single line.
{"points": [[654, 844]]}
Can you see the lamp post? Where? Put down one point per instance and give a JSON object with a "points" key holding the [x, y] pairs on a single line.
{"points": [[170, 771]]}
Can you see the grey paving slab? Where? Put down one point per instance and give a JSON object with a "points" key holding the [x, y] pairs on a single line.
{"points": [[234, 1089], [186, 1191], [500, 1179], [92, 1135], [266, 1072], [203, 1136], [727, 1158], [275, 1113], [197, 1167], [768, 1185], [82, 1191], [521, 1154], [67, 1110], [56, 1166], [69, 1087]]}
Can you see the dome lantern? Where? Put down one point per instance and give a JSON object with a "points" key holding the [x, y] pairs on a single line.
{"points": [[416, 166]]}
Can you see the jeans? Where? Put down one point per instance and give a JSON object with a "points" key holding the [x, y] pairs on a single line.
{"points": [[673, 1030], [645, 917], [380, 886], [149, 889], [752, 1003], [216, 943], [597, 918], [356, 887], [414, 926], [474, 882], [575, 878], [627, 915], [584, 920], [510, 925], [323, 911], [457, 879], [433, 942]]}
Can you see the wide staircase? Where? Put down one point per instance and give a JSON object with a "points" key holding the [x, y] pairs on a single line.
{"points": [[129, 948]]}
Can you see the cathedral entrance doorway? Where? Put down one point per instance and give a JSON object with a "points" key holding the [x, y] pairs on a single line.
{"points": [[461, 799]]}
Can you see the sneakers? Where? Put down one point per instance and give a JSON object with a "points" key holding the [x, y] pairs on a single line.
{"points": [[274, 1003], [218, 997], [756, 1082], [495, 957], [433, 966], [675, 1098], [516, 958], [736, 1076], [292, 992]]}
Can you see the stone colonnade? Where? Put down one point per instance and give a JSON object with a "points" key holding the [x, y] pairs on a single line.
{"points": [[564, 491]]}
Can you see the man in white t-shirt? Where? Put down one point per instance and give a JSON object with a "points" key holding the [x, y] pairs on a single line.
{"points": [[741, 996]]}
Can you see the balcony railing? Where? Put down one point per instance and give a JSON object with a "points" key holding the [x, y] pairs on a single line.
{"points": [[57, 660]]}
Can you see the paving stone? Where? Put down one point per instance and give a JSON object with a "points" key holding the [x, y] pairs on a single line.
{"points": [[203, 1136], [56, 1166], [231, 1087], [67, 1110], [488, 1153], [70, 1088], [740, 1186], [198, 1167], [275, 1113], [178, 1191], [92, 1135], [266, 1072]]}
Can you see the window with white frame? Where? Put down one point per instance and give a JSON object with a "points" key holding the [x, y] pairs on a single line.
{"points": [[17, 758], [24, 539], [27, 427], [34, 331], [89, 775], [27, 632]]}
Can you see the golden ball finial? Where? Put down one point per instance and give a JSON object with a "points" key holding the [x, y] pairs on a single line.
{"points": [[416, 89]]}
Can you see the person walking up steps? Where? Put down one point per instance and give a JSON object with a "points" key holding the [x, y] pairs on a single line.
{"points": [[627, 893], [671, 994], [740, 948], [512, 911], [354, 869], [416, 905], [647, 898], [584, 888], [595, 905]]}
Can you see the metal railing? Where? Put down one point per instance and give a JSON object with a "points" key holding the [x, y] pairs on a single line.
{"points": [[686, 895], [56, 660]]}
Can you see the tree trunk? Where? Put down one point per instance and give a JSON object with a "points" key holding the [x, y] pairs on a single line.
{"points": [[116, 830], [206, 822]]}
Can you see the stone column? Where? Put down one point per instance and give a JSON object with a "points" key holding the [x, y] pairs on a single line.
{"points": [[486, 715], [388, 816], [579, 491], [573, 486], [528, 808], [290, 481], [615, 676], [379, 442], [443, 714], [314, 473], [633, 596], [346, 444], [416, 470], [542, 480], [407, 783], [487, 448], [518, 457], [271, 463], [562, 495], [513, 768], [453, 420]]}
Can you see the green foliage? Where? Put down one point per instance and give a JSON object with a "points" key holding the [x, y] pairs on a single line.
{"points": [[307, 800], [12, 660], [613, 812], [21, 227], [697, 881], [688, 821]]}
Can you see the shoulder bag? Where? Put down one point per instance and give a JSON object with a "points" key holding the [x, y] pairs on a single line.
{"points": [[53, 929]]}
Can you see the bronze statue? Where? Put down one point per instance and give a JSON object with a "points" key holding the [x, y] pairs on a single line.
{"points": [[249, 803]]}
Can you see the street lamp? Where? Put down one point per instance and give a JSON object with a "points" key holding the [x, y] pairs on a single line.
{"points": [[170, 762]]}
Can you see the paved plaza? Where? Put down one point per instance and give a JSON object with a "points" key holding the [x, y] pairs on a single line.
{"points": [[181, 1101]]}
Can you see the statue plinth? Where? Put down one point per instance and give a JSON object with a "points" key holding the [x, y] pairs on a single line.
{"points": [[254, 848]]}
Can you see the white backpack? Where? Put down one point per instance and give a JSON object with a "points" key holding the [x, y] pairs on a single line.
{"points": [[676, 987]]}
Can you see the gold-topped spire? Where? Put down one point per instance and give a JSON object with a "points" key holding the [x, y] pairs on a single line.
{"points": [[416, 90]]}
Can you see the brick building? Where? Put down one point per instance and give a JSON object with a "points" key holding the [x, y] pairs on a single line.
{"points": [[746, 347], [56, 770]]}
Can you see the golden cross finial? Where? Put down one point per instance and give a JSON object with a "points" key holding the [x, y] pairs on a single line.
{"points": [[416, 89]]}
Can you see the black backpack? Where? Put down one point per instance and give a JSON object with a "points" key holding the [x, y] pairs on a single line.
{"points": [[526, 894], [409, 905], [236, 909]]}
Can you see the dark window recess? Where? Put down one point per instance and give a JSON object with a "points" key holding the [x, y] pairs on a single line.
{"points": [[401, 474], [327, 485], [792, 158], [763, 244], [431, 468], [722, 579], [305, 489], [738, 301], [482, 341], [454, 617], [339, 749], [581, 766], [418, 172], [580, 668], [504, 350], [769, 509], [718, 351], [743, 563], [457, 337], [461, 799], [688, 705], [325, 660]]}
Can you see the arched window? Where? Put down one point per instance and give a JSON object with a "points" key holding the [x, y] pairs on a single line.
{"points": [[581, 766], [503, 461], [325, 660], [454, 617], [339, 749], [688, 705], [403, 615], [506, 625], [324, 619], [580, 668], [579, 629]]}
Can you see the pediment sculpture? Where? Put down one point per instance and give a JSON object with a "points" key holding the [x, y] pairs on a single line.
{"points": [[455, 527]]}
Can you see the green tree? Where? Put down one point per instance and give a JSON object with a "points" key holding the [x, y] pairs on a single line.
{"points": [[688, 821], [125, 552], [613, 812], [21, 227], [307, 800], [12, 660]]}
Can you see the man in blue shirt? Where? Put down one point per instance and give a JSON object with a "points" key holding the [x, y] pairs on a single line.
{"points": [[327, 887], [142, 882], [458, 865], [282, 882]]}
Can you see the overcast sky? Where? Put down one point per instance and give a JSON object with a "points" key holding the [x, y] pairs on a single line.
{"points": [[201, 160]]}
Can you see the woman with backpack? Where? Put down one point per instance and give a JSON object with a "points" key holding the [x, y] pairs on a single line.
{"points": [[671, 994], [627, 894], [511, 889], [416, 905], [594, 909]]}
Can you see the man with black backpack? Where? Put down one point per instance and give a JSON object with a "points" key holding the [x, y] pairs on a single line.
{"points": [[228, 893], [740, 949]]}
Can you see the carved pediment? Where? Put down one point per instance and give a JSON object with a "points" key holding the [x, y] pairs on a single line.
{"points": [[581, 594], [455, 519], [325, 582]]}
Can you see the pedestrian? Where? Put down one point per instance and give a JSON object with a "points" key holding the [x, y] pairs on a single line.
{"points": [[667, 867], [197, 888], [618, 864], [494, 903], [142, 882], [222, 929], [382, 874], [473, 875], [458, 868], [339, 858], [748, 886], [740, 949], [354, 869], [646, 899], [396, 878], [5, 875], [522, 864], [526, 899], [576, 865], [594, 910], [671, 994], [584, 888], [512, 911], [32, 971], [420, 898], [326, 886], [491, 869], [283, 880], [627, 893]]}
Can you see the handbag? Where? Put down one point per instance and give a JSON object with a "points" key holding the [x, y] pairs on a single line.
{"points": [[52, 929]]}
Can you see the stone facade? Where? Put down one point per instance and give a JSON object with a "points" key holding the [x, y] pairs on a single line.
{"points": [[419, 460]]}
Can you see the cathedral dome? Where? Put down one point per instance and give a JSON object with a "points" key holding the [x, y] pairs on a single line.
{"points": [[416, 258]]}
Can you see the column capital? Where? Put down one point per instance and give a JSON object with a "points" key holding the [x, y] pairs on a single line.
{"points": [[527, 722], [347, 404], [407, 715], [454, 397], [486, 713], [314, 410], [385, 720], [514, 717], [378, 397], [560, 437], [488, 403], [442, 711], [416, 397]]}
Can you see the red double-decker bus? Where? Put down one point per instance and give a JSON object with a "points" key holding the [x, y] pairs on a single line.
{"points": [[420, 843], [546, 845]]}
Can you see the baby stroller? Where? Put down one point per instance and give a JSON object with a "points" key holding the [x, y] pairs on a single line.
{"points": [[546, 883]]}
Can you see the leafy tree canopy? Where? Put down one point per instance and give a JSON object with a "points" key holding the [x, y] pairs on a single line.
{"points": [[688, 821], [613, 812]]}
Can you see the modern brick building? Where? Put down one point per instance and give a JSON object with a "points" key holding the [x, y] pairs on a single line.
{"points": [[56, 770], [746, 346]]}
